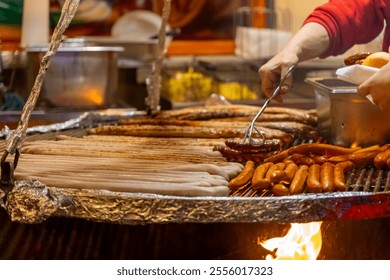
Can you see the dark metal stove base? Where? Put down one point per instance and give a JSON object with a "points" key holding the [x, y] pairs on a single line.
{"points": [[64, 238]]}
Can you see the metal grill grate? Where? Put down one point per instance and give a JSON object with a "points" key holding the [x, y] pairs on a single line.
{"points": [[368, 180]]}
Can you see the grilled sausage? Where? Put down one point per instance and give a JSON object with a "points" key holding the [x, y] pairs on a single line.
{"points": [[319, 159], [277, 176], [290, 170], [369, 149], [280, 190], [356, 58], [302, 159], [358, 158], [272, 169], [267, 146], [380, 160], [339, 175], [363, 158], [326, 177], [298, 182], [244, 177], [320, 149], [279, 157], [313, 184], [258, 180]]}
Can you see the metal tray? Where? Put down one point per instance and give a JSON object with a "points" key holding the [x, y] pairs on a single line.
{"points": [[33, 202]]}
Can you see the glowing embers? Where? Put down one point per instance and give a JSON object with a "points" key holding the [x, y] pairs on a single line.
{"points": [[302, 242]]}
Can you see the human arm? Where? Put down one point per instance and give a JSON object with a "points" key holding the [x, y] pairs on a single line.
{"points": [[309, 42], [340, 25]]}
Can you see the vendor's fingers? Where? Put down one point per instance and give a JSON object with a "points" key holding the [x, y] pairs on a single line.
{"points": [[287, 84], [364, 89], [380, 98], [268, 81]]}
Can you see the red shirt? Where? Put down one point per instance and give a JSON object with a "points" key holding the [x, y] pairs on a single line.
{"points": [[350, 22]]}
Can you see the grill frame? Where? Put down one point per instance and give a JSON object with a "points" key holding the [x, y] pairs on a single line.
{"points": [[362, 200]]}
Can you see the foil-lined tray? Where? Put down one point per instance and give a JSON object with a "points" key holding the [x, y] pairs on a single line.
{"points": [[34, 202], [31, 201]]}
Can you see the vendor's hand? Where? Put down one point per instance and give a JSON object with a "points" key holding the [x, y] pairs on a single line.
{"points": [[271, 73], [378, 85]]}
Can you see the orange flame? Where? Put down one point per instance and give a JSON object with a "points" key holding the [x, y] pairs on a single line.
{"points": [[302, 242]]}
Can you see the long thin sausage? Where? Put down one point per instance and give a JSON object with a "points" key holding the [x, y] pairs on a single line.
{"points": [[320, 149]]}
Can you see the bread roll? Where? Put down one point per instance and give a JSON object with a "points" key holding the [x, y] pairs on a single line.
{"points": [[377, 59]]}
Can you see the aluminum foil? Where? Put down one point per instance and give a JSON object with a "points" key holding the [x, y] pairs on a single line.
{"points": [[85, 120], [33, 202]]}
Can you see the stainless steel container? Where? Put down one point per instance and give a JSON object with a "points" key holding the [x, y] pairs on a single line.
{"points": [[78, 77], [345, 118]]}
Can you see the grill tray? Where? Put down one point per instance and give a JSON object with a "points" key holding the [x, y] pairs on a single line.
{"points": [[368, 196]]}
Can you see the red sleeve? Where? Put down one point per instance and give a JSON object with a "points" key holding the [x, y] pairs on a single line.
{"points": [[349, 22]]}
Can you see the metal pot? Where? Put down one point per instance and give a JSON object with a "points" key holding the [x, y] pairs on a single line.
{"points": [[345, 118], [78, 77]]}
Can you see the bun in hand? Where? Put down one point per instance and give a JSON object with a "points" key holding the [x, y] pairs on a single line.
{"points": [[377, 59]]}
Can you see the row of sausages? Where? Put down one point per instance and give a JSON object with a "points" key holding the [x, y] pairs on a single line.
{"points": [[310, 168], [287, 178]]}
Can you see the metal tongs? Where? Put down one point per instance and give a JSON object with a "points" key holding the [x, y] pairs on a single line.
{"points": [[251, 126]]}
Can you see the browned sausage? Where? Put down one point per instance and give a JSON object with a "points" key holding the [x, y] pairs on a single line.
{"points": [[279, 157], [388, 163], [280, 190], [320, 149], [267, 146], [244, 177], [380, 160], [258, 180], [313, 183], [358, 158], [363, 158], [369, 149], [298, 182], [287, 160], [319, 159], [307, 160], [272, 169], [356, 58], [337, 159], [326, 177], [339, 175], [277, 176], [290, 170], [384, 147]]}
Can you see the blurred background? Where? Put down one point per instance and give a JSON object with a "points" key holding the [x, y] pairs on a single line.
{"points": [[213, 46]]}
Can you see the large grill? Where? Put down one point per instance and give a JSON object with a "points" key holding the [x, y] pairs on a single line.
{"points": [[73, 238], [367, 196]]}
